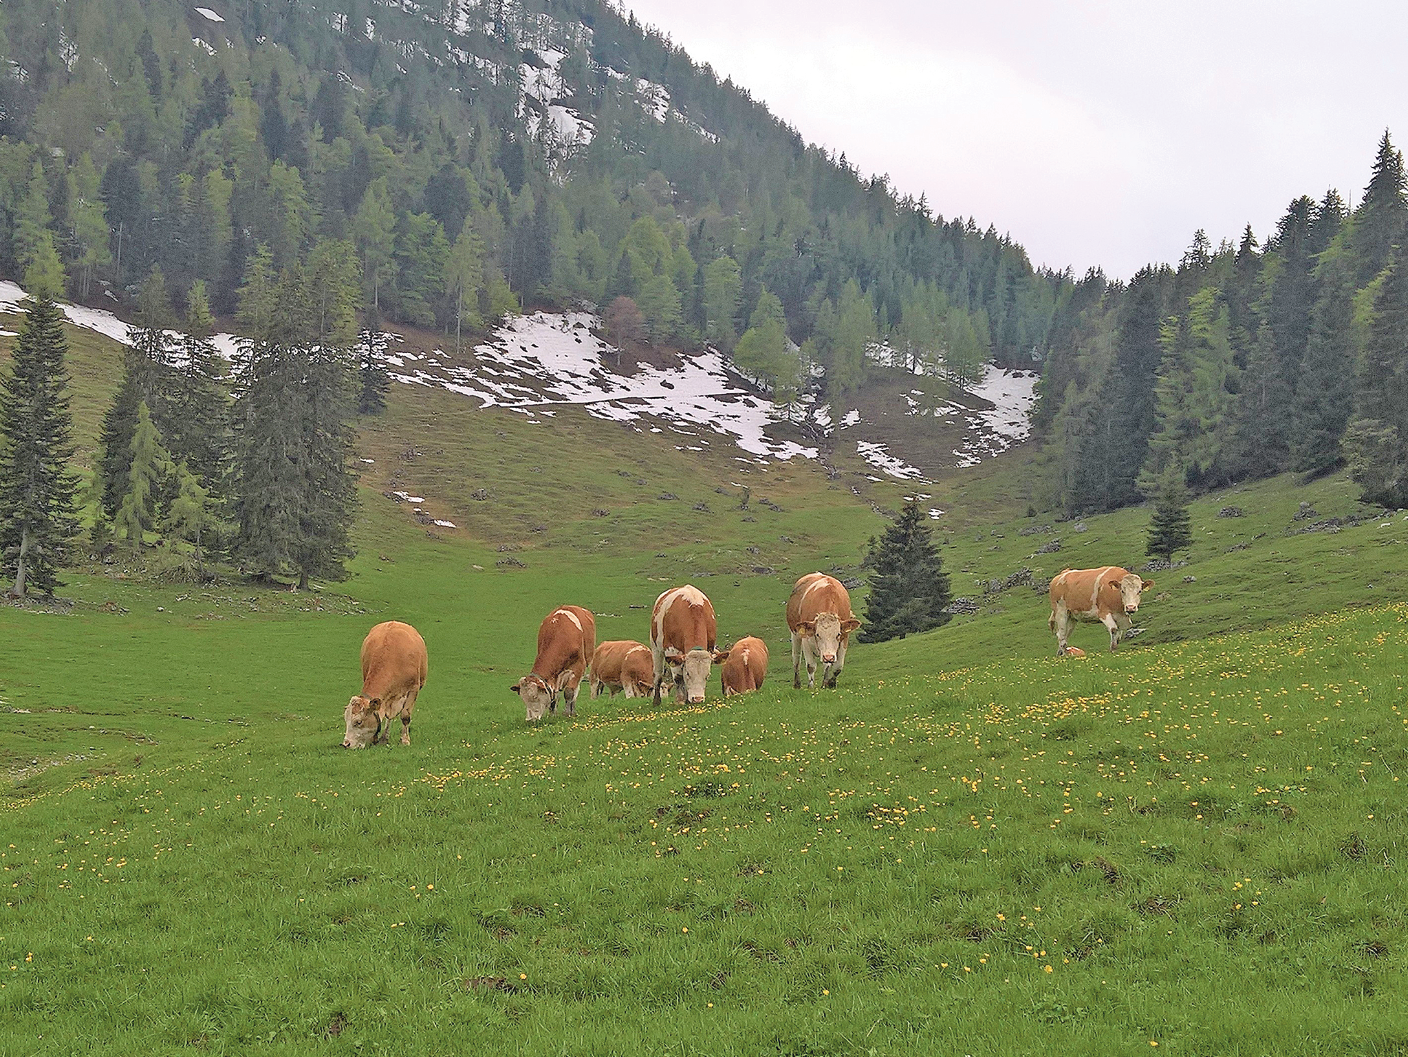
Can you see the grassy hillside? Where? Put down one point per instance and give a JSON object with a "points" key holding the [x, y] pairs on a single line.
{"points": [[971, 847]]}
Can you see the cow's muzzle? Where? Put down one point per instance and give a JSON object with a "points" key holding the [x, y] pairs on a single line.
{"points": [[696, 700], [1131, 609]]}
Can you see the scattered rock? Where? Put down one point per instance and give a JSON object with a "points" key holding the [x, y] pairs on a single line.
{"points": [[965, 606], [668, 495], [1190, 579], [1049, 547], [1034, 530], [850, 583], [513, 563], [764, 570], [1079, 526], [599, 512], [481, 494], [1305, 513], [702, 507], [1231, 511]]}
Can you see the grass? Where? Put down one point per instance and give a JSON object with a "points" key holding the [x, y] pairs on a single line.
{"points": [[970, 847]]}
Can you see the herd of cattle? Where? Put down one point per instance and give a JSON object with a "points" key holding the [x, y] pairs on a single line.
{"points": [[683, 650]]}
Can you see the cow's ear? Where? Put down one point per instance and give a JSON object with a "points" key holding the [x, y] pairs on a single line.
{"points": [[720, 656], [1146, 585], [1115, 584], [517, 688], [807, 627], [374, 704], [850, 625]]}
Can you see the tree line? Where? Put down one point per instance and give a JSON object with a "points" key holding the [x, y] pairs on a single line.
{"points": [[1245, 361]]}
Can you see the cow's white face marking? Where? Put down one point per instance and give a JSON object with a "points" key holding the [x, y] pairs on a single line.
{"points": [[536, 695], [1129, 586], [361, 719], [827, 631], [691, 672]]}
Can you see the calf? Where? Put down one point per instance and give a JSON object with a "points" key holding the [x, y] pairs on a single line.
{"points": [[682, 638], [1109, 595], [393, 671], [566, 640], [820, 619], [622, 665], [745, 664]]}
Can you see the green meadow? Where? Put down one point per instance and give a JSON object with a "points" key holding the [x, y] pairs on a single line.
{"points": [[1190, 846]]}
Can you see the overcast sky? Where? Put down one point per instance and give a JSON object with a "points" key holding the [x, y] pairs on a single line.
{"points": [[1095, 133]]}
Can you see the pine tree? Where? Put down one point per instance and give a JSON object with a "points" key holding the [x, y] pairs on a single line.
{"points": [[908, 588], [200, 406], [147, 472], [38, 515], [1171, 528], [1325, 396]]}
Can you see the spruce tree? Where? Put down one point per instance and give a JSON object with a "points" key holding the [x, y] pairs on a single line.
{"points": [[1376, 443], [191, 515], [199, 422], [295, 491], [1325, 395], [1171, 528], [908, 588], [38, 515], [372, 376]]}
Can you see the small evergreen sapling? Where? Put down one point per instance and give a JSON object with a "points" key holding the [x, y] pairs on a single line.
{"points": [[146, 479], [908, 588], [1171, 528]]}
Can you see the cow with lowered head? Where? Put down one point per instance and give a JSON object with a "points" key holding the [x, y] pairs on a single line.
{"points": [[820, 619], [622, 665], [682, 638], [745, 665], [566, 640], [1109, 595], [393, 671]]}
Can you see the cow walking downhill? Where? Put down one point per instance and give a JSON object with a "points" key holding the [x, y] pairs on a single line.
{"points": [[622, 665], [566, 642], [1109, 595], [820, 620], [745, 664], [682, 639], [394, 667]]}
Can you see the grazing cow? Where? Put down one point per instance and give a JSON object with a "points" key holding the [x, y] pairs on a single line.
{"points": [[1109, 595], [622, 665], [682, 640], [745, 664], [566, 640], [393, 671], [820, 619]]}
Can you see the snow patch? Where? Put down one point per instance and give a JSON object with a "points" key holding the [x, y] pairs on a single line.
{"points": [[205, 12], [880, 458]]}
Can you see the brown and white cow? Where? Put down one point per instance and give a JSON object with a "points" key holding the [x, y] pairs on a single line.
{"points": [[566, 641], [682, 639], [393, 671], [745, 665], [1109, 595], [820, 619], [622, 665]]}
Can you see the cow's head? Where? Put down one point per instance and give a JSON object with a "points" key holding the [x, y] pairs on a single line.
{"points": [[537, 694], [1129, 585], [690, 672], [830, 632], [364, 722]]}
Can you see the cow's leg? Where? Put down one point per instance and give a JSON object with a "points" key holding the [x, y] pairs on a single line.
{"points": [[796, 661], [1112, 622], [406, 716], [810, 658], [657, 660], [1061, 624], [595, 686], [570, 687]]}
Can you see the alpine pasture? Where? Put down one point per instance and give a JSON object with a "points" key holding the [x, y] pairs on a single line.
{"points": [[1191, 846]]}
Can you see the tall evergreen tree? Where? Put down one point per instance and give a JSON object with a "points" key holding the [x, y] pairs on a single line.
{"points": [[38, 516], [1325, 395], [147, 472], [372, 377], [1381, 217], [1376, 443], [908, 587], [294, 487], [199, 421]]}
